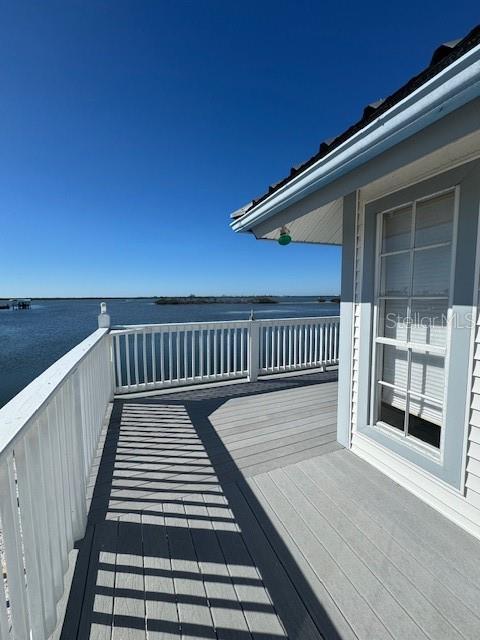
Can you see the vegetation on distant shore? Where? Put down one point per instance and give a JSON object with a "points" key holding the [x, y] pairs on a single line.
{"points": [[335, 299], [216, 300]]}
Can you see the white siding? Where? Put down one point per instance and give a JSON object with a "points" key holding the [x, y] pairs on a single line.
{"points": [[472, 482], [357, 284]]}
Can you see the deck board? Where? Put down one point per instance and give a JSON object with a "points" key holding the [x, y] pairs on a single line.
{"points": [[232, 513]]}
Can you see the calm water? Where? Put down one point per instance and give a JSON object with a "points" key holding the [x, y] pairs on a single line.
{"points": [[32, 340]]}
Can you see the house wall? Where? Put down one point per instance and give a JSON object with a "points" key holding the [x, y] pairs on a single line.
{"points": [[462, 505], [472, 482]]}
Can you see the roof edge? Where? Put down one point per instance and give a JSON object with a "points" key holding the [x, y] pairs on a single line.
{"points": [[451, 88]]}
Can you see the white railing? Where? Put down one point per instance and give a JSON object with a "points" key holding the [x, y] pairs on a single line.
{"points": [[49, 434], [48, 437], [292, 345], [167, 355]]}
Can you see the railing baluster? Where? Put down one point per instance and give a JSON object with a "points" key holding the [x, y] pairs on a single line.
{"points": [[13, 550], [201, 337], [330, 342], [272, 362], [135, 353], [154, 356], [267, 347], [119, 362], [335, 343], [170, 356], [127, 357], [322, 331], [301, 345], [310, 346], [193, 355], [295, 330], [161, 337], [4, 625], [31, 550], [228, 351], [37, 489], [235, 332], [305, 344], [64, 499], [48, 464], [290, 346], [222, 351], [215, 352], [242, 350], [261, 342], [177, 351], [72, 390], [185, 354], [65, 471], [209, 354], [144, 355], [55, 452]]}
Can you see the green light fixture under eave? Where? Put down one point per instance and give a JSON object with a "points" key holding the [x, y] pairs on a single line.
{"points": [[285, 237]]}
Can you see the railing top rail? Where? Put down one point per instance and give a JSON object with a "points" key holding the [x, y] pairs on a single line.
{"points": [[24, 407], [169, 326], [302, 320]]}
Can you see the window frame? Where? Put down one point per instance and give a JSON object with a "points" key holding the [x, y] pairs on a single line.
{"points": [[409, 346], [450, 467]]}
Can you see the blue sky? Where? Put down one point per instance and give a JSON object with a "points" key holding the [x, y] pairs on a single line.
{"points": [[130, 130]]}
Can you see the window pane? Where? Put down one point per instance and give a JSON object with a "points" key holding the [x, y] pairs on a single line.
{"points": [[431, 272], [397, 229], [425, 420], [392, 407], [429, 322], [434, 220], [394, 366], [428, 375], [393, 319], [395, 275]]}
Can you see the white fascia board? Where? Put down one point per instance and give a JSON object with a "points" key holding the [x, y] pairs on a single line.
{"points": [[450, 89]]}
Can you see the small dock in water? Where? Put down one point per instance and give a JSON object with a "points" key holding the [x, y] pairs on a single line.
{"points": [[16, 303]]}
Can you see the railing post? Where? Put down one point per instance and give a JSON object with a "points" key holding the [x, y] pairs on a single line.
{"points": [[80, 458], [104, 323], [103, 318], [253, 349]]}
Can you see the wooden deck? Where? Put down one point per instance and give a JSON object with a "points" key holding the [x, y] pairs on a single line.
{"points": [[232, 513]]}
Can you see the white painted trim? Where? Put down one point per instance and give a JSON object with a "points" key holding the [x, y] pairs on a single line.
{"points": [[455, 86], [442, 497]]}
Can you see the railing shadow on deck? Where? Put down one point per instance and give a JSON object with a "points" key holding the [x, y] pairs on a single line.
{"points": [[139, 528]]}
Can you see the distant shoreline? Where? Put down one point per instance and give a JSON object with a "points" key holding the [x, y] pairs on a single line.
{"points": [[216, 300], [220, 299]]}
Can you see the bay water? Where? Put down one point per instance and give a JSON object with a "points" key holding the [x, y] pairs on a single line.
{"points": [[31, 340]]}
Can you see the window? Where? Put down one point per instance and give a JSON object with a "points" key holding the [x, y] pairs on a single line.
{"points": [[413, 296]]}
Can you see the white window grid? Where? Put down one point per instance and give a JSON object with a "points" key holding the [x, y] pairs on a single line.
{"points": [[407, 345]]}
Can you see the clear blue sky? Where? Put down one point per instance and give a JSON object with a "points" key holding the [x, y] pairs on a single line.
{"points": [[130, 130]]}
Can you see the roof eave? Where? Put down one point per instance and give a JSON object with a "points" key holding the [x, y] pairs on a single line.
{"points": [[453, 87]]}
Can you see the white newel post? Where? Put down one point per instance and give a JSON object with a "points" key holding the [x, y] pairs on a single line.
{"points": [[104, 323], [253, 349], [103, 318]]}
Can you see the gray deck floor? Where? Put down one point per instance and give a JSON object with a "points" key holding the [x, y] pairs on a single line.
{"points": [[232, 513]]}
